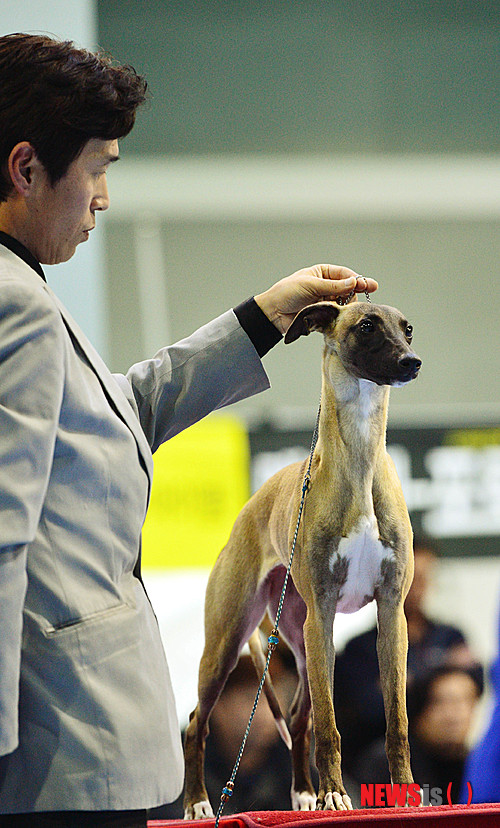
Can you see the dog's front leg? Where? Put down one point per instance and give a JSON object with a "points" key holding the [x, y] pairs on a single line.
{"points": [[392, 647], [318, 639]]}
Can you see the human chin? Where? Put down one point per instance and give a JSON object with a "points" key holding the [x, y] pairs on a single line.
{"points": [[69, 252], [62, 254]]}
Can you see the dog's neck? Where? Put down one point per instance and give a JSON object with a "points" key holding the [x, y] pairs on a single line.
{"points": [[353, 418]]}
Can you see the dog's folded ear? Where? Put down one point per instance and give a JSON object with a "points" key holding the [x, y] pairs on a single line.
{"points": [[316, 317]]}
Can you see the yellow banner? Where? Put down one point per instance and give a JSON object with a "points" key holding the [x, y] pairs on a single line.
{"points": [[201, 481]]}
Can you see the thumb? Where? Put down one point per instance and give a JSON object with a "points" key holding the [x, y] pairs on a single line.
{"points": [[325, 288]]}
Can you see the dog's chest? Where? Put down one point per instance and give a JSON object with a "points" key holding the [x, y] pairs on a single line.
{"points": [[357, 565]]}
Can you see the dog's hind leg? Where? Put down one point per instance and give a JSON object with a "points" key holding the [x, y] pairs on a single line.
{"points": [[196, 802], [259, 660], [303, 794], [292, 619], [215, 666], [233, 607]]}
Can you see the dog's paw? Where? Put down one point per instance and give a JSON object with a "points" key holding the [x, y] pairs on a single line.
{"points": [[200, 810], [303, 801], [335, 801]]}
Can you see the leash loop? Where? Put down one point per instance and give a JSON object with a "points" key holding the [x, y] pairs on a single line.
{"points": [[344, 300], [273, 639]]}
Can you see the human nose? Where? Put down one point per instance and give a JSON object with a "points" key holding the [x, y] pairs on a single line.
{"points": [[101, 197]]}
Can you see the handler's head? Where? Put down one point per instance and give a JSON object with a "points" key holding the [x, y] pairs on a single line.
{"points": [[57, 96], [62, 109]]}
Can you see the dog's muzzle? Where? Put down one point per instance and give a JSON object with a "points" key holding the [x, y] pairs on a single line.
{"points": [[409, 366]]}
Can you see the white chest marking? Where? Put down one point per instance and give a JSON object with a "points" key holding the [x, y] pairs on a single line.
{"points": [[363, 552], [367, 403]]}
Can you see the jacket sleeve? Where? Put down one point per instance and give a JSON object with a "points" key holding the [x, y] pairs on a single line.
{"points": [[214, 367], [31, 382]]}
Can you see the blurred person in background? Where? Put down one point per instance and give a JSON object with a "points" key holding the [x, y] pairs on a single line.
{"points": [[358, 695], [441, 707]]}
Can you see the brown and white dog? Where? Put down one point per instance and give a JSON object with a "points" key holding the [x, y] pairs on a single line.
{"points": [[354, 544]]}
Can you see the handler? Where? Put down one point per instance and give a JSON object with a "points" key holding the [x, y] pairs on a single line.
{"points": [[88, 729]]}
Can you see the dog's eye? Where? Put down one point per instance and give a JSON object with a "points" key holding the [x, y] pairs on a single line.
{"points": [[409, 331], [366, 326]]}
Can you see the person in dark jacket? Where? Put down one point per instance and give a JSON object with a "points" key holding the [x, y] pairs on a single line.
{"points": [[441, 706], [358, 695]]}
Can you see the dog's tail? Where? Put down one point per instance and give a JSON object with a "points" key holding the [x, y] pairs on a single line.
{"points": [[257, 655]]}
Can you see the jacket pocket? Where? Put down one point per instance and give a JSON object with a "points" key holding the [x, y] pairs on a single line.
{"points": [[80, 624]]}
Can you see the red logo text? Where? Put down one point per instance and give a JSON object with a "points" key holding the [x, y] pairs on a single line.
{"points": [[380, 795]]}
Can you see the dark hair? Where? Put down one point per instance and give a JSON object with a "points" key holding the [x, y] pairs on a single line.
{"points": [[58, 96], [419, 691]]}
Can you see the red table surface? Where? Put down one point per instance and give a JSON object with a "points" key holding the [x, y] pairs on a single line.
{"points": [[462, 816]]}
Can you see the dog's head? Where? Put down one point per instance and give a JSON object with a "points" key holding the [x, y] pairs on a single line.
{"points": [[373, 342]]}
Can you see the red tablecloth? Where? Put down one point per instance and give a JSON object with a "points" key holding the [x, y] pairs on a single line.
{"points": [[462, 816]]}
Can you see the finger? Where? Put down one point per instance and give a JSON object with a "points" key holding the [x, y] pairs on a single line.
{"points": [[331, 288], [365, 285], [340, 273], [334, 272]]}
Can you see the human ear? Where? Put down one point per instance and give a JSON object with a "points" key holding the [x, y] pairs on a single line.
{"points": [[20, 165]]}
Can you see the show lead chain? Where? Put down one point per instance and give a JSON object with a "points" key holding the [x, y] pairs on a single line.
{"points": [[344, 300], [273, 639]]}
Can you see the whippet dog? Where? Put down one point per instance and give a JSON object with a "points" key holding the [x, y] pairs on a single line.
{"points": [[354, 545]]}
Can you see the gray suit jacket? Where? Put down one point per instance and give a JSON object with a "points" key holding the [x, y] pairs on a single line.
{"points": [[87, 713]]}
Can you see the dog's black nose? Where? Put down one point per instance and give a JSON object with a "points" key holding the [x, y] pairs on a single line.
{"points": [[410, 363]]}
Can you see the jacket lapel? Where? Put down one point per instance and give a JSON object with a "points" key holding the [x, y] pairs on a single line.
{"points": [[115, 396], [111, 388]]}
